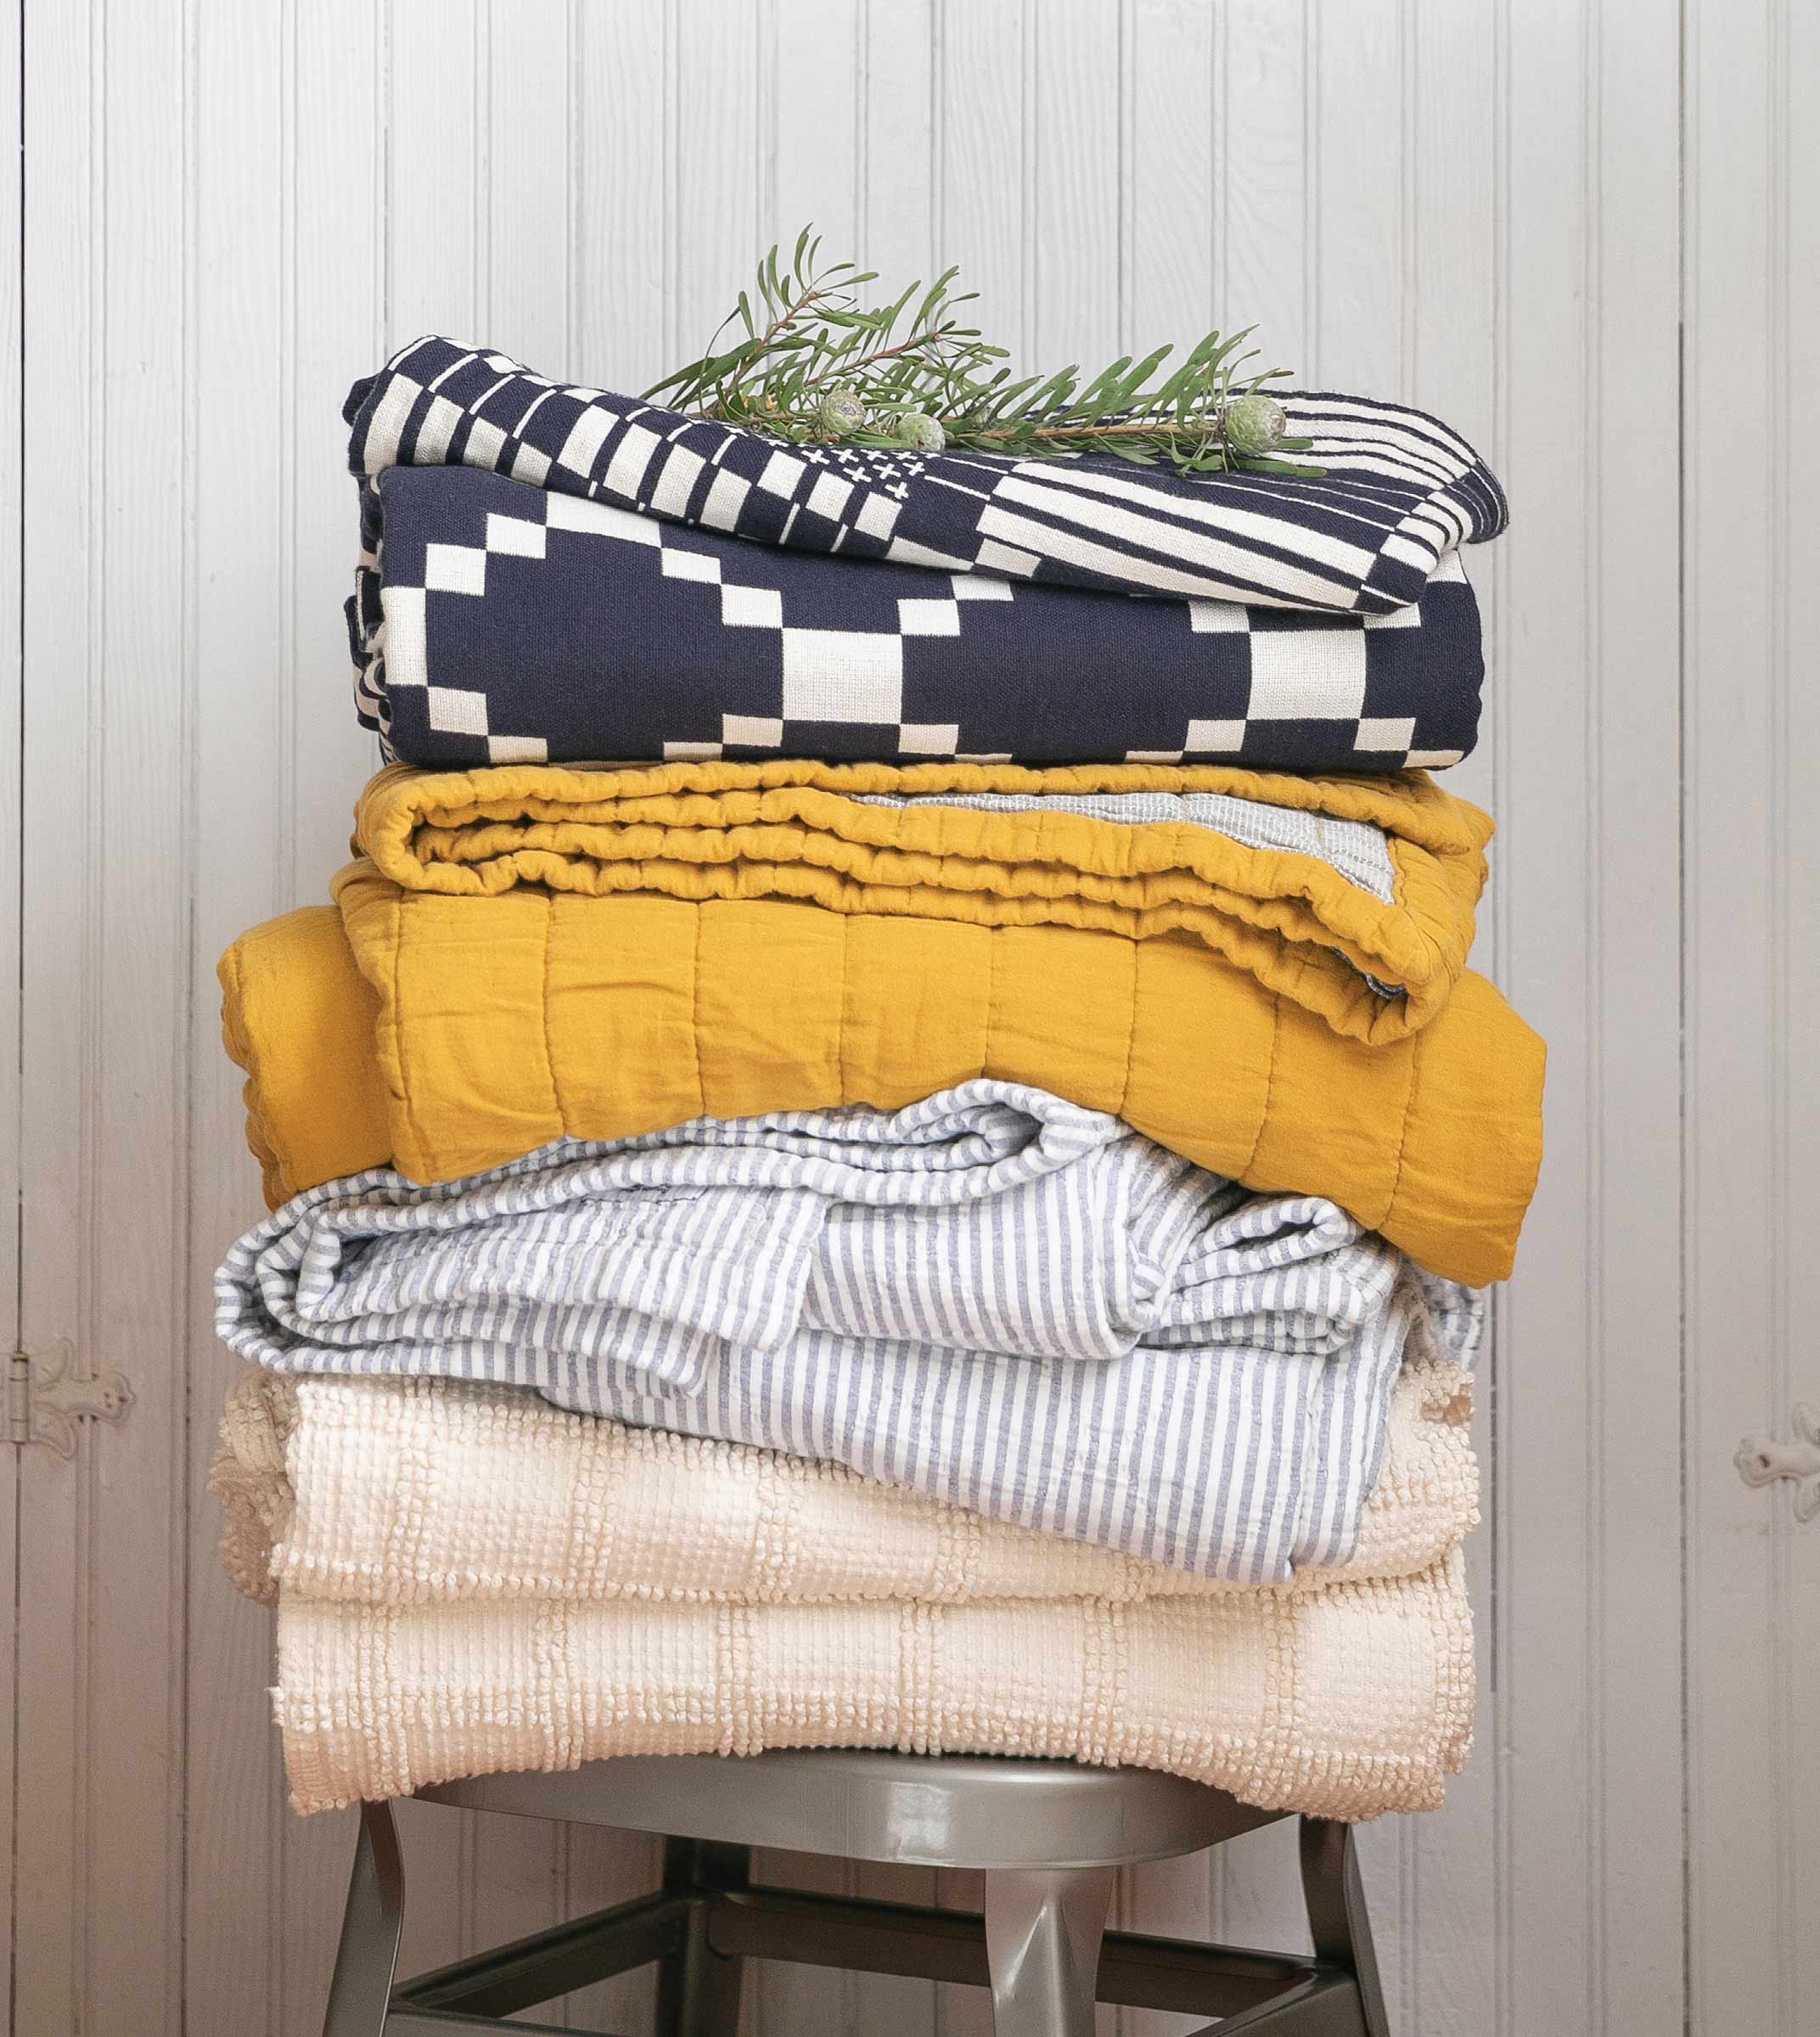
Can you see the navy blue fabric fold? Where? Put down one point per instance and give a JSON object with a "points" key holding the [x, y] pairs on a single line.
{"points": [[1400, 491], [498, 621]]}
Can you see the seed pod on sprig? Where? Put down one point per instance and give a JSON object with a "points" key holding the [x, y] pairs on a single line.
{"points": [[814, 368]]}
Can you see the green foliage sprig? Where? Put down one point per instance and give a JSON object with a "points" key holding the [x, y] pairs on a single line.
{"points": [[814, 368]]}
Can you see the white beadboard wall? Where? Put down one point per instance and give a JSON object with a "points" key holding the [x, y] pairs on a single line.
{"points": [[1587, 234]]}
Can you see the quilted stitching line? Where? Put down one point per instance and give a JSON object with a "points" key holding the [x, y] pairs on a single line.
{"points": [[549, 1047], [695, 1015], [1402, 1136], [1270, 1082], [1130, 1029], [846, 992], [994, 934], [407, 1087]]}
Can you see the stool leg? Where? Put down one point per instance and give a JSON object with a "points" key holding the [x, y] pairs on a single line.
{"points": [[1042, 1932], [367, 1958], [698, 1989], [1334, 1892]]}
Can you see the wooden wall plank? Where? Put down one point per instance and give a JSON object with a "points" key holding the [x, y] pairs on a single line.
{"points": [[104, 879], [438, 220], [812, 115], [243, 201], [1796, 875], [1586, 1635], [898, 60], [1263, 226], [12, 695], [982, 173], [1753, 231], [1358, 112], [625, 237], [59, 539], [1074, 218], [718, 164], [1168, 180], [528, 305]]}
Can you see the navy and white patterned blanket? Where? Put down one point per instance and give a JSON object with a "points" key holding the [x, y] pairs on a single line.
{"points": [[552, 573], [1400, 491]]}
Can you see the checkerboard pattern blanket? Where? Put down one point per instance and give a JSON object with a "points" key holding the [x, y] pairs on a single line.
{"points": [[550, 573]]}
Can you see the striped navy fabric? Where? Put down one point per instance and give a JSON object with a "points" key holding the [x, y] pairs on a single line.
{"points": [[995, 1296], [1401, 490]]}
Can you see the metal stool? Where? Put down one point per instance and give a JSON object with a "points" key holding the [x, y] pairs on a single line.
{"points": [[1047, 1833]]}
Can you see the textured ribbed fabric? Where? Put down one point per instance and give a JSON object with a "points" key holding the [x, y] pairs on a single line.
{"points": [[994, 1298], [418, 1492], [1343, 1701]]}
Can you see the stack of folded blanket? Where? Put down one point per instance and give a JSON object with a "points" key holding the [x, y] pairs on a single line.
{"points": [[925, 1209]]}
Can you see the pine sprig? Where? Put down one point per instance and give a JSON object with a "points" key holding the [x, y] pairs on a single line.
{"points": [[814, 368]]}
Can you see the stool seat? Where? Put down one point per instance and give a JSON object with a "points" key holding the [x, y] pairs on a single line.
{"points": [[951, 1811], [1046, 1836]]}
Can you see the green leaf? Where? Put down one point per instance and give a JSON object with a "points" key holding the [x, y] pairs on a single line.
{"points": [[804, 328]]}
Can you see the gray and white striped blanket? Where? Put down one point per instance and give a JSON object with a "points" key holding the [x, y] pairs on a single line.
{"points": [[994, 1297]]}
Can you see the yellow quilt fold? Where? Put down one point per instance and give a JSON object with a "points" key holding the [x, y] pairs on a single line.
{"points": [[791, 829], [445, 1034]]}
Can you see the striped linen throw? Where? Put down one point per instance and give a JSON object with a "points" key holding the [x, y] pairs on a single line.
{"points": [[994, 1297]]}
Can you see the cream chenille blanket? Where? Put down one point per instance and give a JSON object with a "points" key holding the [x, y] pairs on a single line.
{"points": [[469, 1581]]}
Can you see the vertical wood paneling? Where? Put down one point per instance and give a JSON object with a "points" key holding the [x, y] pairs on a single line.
{"points": [[1263, 225], [1358, 104], [1796, 425], [59, 539], [1170, 144], [1753, 235], [12, 690], [104, 875], [895, 93], [438, 220], [1586, 1636], [984, 140], [231, 212], [1076, 261], [243, 91], [625, 230], [719, 163], [528, 307], [811, 65]]}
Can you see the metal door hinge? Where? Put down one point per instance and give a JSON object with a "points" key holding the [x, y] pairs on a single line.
{"points": [[46, 1398], [1761, 1459]]}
